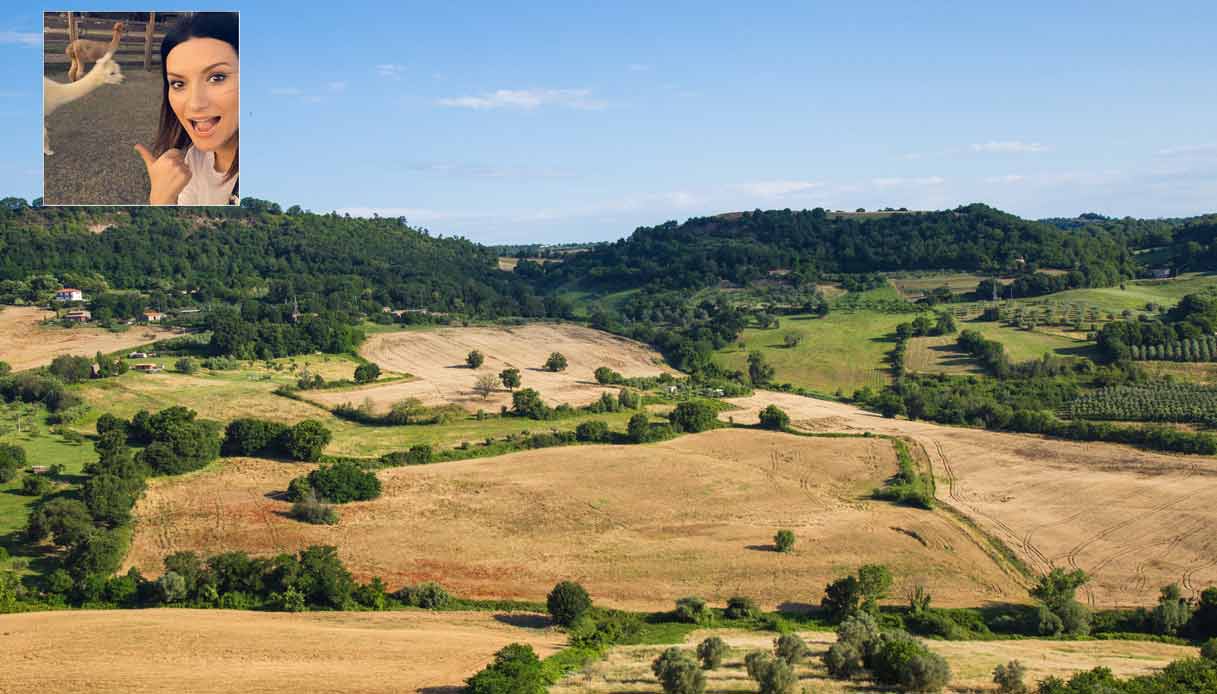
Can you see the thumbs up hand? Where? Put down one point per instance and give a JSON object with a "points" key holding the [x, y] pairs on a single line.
{"points": [[168, 174]]}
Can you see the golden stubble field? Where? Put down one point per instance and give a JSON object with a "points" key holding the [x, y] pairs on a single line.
{"points": [[639, 526], [628, 668], [1132, 519], [203, 651], [437, 359], [26, 344]]}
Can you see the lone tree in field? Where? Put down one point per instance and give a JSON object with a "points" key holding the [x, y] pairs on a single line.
{"points": [[556, 362], [1010, 677], [510, 378], [774, 417], [366, 373], [784, 540], [791, 648], [792, 340], [475, 359], [1060, 611], [485, 385], [567, 602], [678, 672], [711, 652]]}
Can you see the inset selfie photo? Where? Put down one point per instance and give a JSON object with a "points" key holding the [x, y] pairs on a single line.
{"points": [[141, 108]]}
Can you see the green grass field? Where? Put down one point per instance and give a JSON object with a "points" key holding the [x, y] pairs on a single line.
{"points": [[1135, 295], [843, 350], [938, 354]]}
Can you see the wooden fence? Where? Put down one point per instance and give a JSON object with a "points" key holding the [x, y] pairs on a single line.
{"points": [[140, 44]]}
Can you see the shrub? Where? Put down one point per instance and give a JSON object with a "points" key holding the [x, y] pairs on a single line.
{"points": [[310, 510], [35, 485], [12, 459], [1010, 678], [249, 436], [428, 595], [567, 602], [844, 660], [516, 670], [638, 429], [678, 673], [776, 676], [773, 417], [485, 385], [790, 648], [186, 365], [606, 376], [925, 672], [555, 362], [693, 417], [784, 540], [629, 399], [692, 610], [110, 498], [1209, 649], [344, 481], [475, 359], [366, 373], [592, 431], [510, 378], [740, 607], [172, 587], [528, 403], [419, 454], [306, 440], [711, 652], [71, 369]]}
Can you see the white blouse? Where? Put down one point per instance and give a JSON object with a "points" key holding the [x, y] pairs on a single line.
{"points": [[207, 186]]}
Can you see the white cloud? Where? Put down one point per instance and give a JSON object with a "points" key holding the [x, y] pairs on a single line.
{"points": [[526, 99], [1008, 178], [390, 70], [25, 38], [1186, 150], [1009, 147], [286, 91], [484, 171], [902, 181], [776, 189]]}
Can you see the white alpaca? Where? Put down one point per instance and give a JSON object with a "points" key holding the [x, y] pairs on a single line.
{"points": [[54, 94]]}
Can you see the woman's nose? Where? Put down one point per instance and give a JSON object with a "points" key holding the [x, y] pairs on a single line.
{"points": [[197, 99]]}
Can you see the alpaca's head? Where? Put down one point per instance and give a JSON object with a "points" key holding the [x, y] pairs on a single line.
{"points": [[108, 70], [119, 28]]}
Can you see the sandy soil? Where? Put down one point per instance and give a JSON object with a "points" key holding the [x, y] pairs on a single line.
{"points": [[437, 359], [202, 651], [26, 344], [639, 526], [1132, 519], [628, 668]]}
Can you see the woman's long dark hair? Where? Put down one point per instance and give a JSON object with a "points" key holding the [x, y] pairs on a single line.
{"points": [[222, 26]]}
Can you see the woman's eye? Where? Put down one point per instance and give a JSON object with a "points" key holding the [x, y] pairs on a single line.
{"points": [[219, 77], [176, 84]]}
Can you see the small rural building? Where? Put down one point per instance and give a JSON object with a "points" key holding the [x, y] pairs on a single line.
{"points": [[69, 294], [153, 316], [148, 368], [78, 315], [1160, 273], [138, 355], [41, 469]]}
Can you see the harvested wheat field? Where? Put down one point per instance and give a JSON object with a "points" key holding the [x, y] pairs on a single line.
{"points": [[26, 344], [1132, 519], [437, 359], [203, 651], [638, 526], [628, 668]]}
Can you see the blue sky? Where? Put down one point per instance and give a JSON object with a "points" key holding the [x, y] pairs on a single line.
{"points": [[570, 121]]}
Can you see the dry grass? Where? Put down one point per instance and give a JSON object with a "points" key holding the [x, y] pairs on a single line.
{"points": [[437, 359], [938, 355], [26, 344], [639, 526], [628, 668], [201, 651], [1132, 519]]}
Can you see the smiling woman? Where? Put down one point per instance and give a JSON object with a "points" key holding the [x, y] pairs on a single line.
{"points": [[194, 160]]}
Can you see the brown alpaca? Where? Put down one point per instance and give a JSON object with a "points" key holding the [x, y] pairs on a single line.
{"points": [[83, 51]]}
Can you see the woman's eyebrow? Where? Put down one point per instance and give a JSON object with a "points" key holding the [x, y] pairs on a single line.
{"points": [[213, 65]]}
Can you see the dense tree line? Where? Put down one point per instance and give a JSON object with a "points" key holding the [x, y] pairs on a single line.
{"points": [[1177, 336], [741, 248]]}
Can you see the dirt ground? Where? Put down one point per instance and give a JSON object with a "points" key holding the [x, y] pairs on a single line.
{"points": [[437, 359], [93, 139], [638, 526], [203, 651], [628, 668], [26, 344], [1133, 520]]}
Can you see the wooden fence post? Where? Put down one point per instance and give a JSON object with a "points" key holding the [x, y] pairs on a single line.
{"points": [[71, 27], [148, 40]]}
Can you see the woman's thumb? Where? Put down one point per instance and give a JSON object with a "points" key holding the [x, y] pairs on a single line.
{"points": [[145, 155]]}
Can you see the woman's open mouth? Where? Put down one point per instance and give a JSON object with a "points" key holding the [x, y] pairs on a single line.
{"points": [[204, 127]]}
